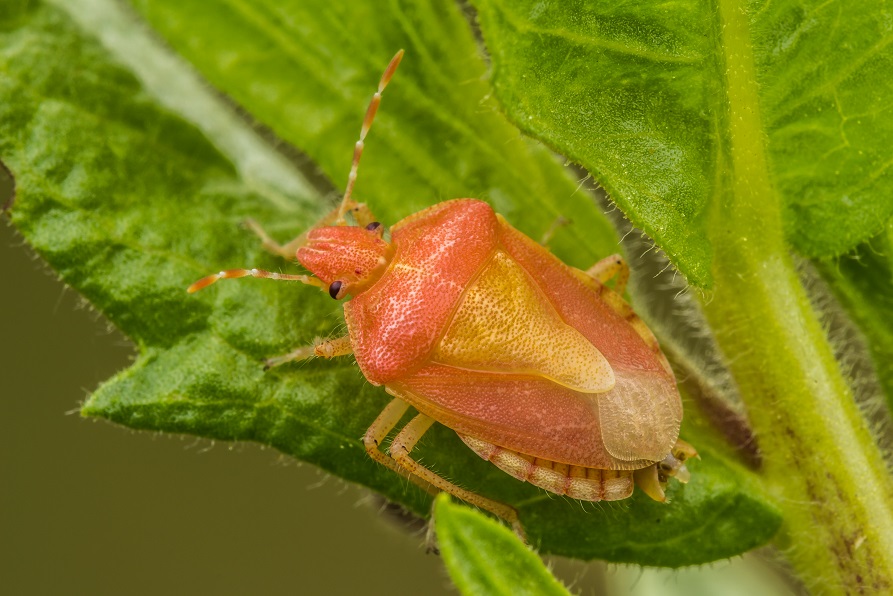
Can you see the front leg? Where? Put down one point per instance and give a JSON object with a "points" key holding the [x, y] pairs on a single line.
{"points": [[360, 213], [286, 251], [322, 348]]}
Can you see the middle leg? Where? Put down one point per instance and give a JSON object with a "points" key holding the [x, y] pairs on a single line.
{"points": [[360, 213], [403, 445], [380, 429]]}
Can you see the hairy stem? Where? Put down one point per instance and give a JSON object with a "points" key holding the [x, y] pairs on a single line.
{"points": [[820, 459]]}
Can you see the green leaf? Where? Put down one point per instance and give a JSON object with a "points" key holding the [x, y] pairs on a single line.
{"points": [[863, 282], [826, 99], [484, 557], [635, 92], [130, 204]]}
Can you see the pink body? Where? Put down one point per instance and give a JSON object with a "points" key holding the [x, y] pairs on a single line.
{"points": [[626, 419]]}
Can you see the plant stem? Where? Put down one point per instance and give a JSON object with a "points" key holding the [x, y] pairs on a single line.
{"points": [[820, 459]]}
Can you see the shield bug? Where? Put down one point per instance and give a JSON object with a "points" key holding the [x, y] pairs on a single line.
{"points": [[539, 367]]}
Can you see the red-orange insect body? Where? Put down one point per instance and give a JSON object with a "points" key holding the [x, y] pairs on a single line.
{"points": [[457, 266], [539, 367]]}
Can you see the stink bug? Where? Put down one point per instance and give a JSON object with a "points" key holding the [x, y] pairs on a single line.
{"points": [[539, 367]]}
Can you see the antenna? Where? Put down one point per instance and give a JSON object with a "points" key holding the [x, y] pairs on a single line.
{"points": [[346, 202]]}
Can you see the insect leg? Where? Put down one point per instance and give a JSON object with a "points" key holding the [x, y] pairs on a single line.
{"points": [[402, 446], [361, 214], [332, 348], [653, 479], [286, 251], [611, 267], [376, 433], [559, 222], [328, 348]]}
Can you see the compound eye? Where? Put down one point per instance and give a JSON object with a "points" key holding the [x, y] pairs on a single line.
{"points": [[374, 226], [337, 290]]}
